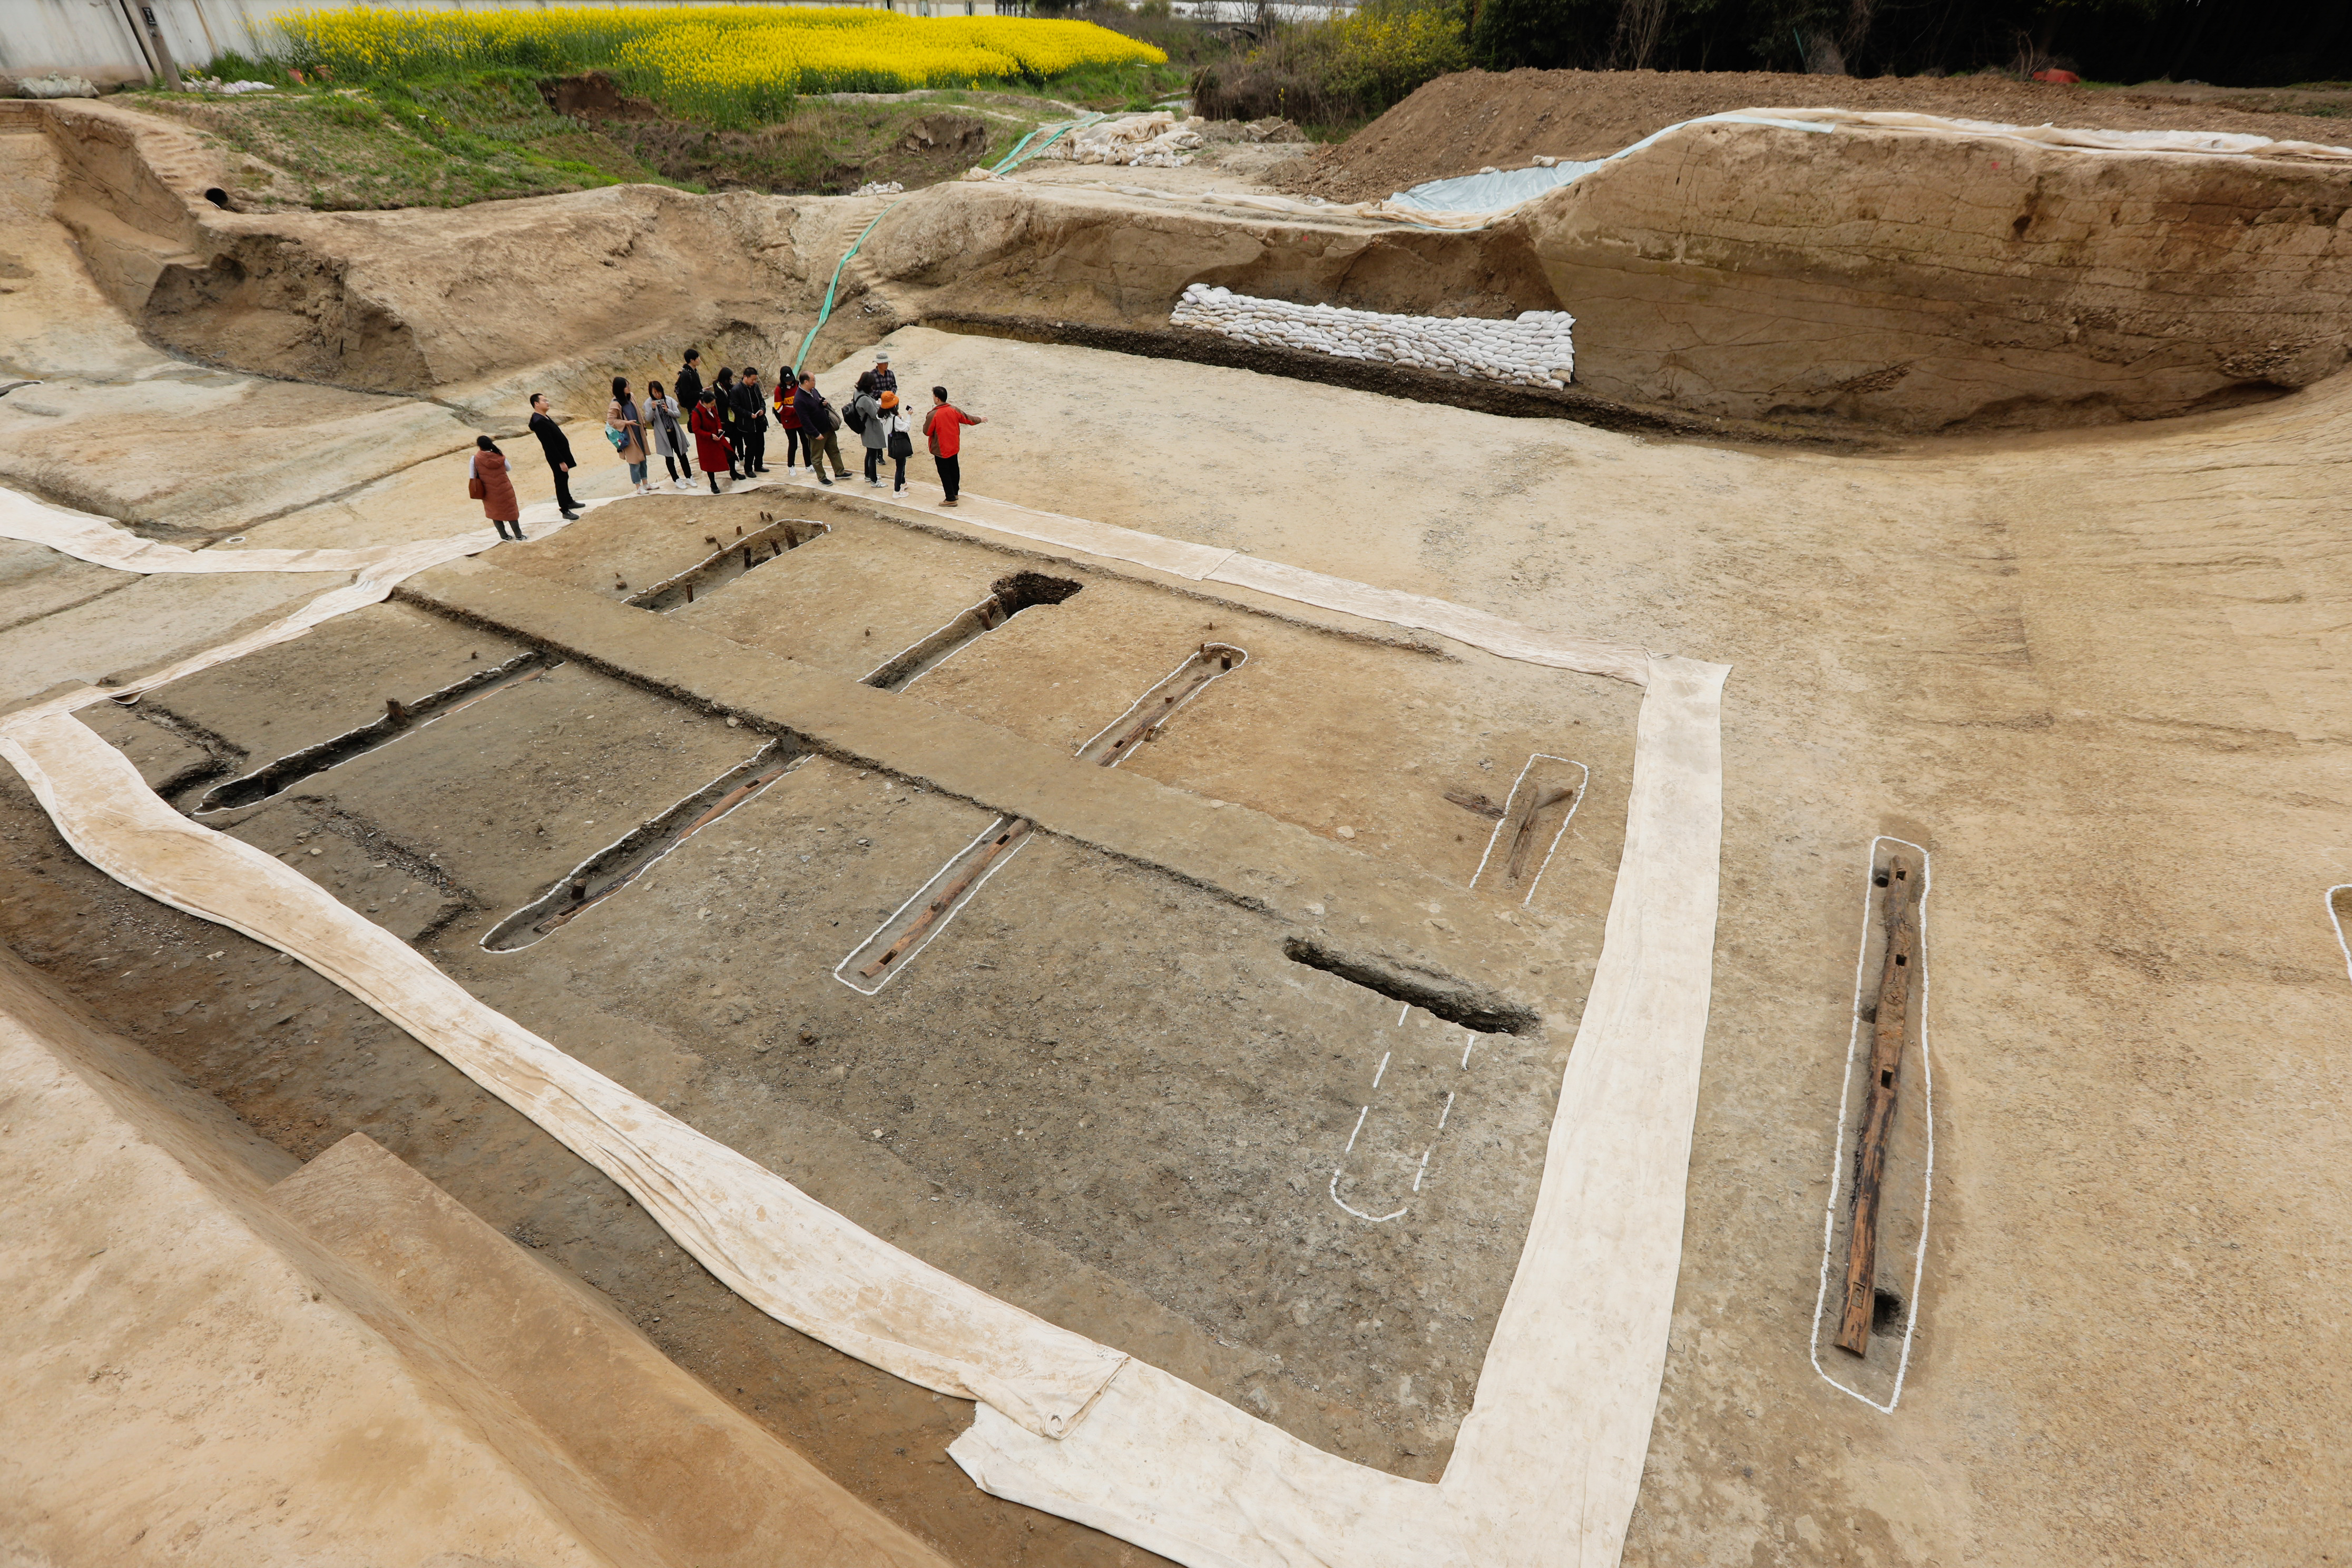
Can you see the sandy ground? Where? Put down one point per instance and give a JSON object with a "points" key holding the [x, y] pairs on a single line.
{"points": [[2097, 673], [1458, 124]]}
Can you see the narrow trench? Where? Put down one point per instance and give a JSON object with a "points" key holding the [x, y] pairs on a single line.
{"points": [[915, 922], [729, 562], [617, 865], [399, 718], [1007, 597], [726, 565], [1440, 995]]}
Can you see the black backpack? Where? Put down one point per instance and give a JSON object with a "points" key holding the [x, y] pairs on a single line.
{"points": [[854, 417]]}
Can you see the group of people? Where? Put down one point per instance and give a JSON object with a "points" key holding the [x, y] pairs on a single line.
{"points": [[722, 423]]}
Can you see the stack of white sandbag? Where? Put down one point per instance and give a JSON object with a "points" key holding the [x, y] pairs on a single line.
{"points": [[1533, 350], [1157, 140]]}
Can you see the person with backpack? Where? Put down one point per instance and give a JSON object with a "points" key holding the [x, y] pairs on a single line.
{"points": [[864, 416], [625, 426], [818, 423], [752, 419], [670, 440], [710, 437], [944, 425], [560, 461], [486, 481], [686, 389], [896, 439]]}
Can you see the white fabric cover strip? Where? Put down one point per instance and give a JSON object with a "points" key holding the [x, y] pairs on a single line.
{"points": [[1548, 1464], [770, 1243], [102, 541]]}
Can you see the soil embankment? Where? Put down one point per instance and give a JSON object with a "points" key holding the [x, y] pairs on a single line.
{"points": [[1459, 124]]}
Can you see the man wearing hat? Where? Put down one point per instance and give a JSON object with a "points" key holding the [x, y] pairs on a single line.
{"points": [[883, 380]]}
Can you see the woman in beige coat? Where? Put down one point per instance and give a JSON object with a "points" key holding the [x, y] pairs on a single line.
{"points": [[625, 426]]}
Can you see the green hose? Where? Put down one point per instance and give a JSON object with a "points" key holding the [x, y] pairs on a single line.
{"points": [[1010, 162]]}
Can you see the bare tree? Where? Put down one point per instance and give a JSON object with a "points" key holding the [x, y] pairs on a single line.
{"points": [[1639, 24]]}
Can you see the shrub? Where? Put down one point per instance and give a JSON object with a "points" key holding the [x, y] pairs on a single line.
{"points": [[1350, 68]]}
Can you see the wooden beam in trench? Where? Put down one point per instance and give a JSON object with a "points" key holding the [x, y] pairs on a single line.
{"points": [[1890, 1027]]}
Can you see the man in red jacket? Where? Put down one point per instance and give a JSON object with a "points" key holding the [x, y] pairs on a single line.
{"points": [[944, 425]]}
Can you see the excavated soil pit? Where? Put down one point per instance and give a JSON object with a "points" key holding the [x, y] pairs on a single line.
{"points": [[1134, 1069]]}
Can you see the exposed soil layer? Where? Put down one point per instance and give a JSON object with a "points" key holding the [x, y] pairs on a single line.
{"points": [[1458, 124], [1930, 281], [832, 151]]}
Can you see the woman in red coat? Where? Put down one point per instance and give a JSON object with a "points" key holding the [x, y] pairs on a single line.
{"points": [[497, 491], [710, 447]]}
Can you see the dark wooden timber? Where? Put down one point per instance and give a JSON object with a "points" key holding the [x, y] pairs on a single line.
{"points": [[1012, 834], [1890, 1027]]}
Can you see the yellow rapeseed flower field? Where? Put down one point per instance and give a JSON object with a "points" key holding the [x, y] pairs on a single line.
{"points": [[725, 63]]}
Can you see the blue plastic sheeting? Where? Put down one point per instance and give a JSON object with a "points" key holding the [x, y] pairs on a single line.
{"points": [[1507, 188]]}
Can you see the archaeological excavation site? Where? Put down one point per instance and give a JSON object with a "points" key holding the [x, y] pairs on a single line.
{"points": [[1594, 829]]}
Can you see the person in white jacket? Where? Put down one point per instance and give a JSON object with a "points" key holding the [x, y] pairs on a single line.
{"points": [[667, 426]]}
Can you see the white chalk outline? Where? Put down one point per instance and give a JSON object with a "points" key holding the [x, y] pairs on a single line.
{"points": [[1584, 784], [483, 941], [2337, 920], [900, 963], [998, 826], [1468, 1038], [1242, 658], [1837, 1140], [972, 608]]}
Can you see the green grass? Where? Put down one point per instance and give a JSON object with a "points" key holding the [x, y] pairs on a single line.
{"points": [[453, 141], [434, 144]]}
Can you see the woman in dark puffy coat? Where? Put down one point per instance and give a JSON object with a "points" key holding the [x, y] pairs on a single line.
{"points": [[489, 472]]}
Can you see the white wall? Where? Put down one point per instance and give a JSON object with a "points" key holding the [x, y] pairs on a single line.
{"points": [[94, 38]]}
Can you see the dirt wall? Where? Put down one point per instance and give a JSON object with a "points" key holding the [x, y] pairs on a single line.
{"points": [[1459, 123], [1104, 261], [1925, 281], [419, 300], [1867, 277]]}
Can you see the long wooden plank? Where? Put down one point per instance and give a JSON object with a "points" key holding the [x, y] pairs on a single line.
{"points": [[1890, 1027]]}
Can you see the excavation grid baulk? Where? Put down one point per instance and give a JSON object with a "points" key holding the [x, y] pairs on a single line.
{"points": [[1232, 1031]]}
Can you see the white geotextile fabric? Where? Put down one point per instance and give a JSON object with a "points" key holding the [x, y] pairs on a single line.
{"points": [[770, 1243], [1548, 1464], [102, 541], [1490, 193], [1534, 350], [1152, 140]]}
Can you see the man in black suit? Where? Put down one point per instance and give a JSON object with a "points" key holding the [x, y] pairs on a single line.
{"points": [[558, 448], [752, 418], [687, 390]]}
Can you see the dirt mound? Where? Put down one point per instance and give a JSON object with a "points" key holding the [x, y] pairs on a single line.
{"points": [[1925, 281], [1459, 124]]}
